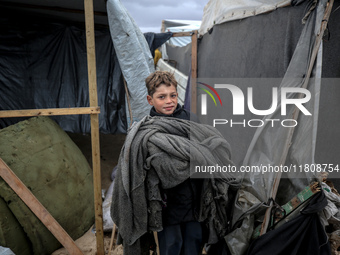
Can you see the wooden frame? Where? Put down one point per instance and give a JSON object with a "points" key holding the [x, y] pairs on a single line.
{"points": [[193, 106], [49, 112], [93, 110], [193, 34], [92, 77]]}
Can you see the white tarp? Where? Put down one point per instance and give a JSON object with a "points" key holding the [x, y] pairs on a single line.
{"points": [[134, 56], [220, 11], [176, 26]]}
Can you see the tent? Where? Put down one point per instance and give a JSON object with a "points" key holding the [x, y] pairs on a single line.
{"points": [[44, 48], [27, 74], [264, 45], [261, 47]]}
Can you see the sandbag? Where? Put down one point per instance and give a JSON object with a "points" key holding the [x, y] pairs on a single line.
{"points": [[47, 161]]}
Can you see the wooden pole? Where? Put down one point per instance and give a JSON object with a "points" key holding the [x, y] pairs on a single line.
{"points": [[128, 101], [92, 78], [193, 107], [155, 235], [112, 238], [38, 209], [49, 112], [296, 114], [180, 34], [163, 27]]}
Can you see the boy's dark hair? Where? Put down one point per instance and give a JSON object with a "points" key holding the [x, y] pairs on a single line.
{"points": [[157, 78]]}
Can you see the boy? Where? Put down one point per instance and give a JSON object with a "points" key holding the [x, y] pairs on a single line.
{"points": [[163, 96], [182, 233]]}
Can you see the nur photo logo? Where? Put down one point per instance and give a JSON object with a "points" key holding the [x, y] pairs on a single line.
{"points": [[240, 103], [204, 97]]}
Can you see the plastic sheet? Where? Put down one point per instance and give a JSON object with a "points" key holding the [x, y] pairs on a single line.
{"points": [[263, 46], [134, 56], [331, 212], [107, 220], [44, 65], [267, 147], [6, 251], [155, 40], [303, 234]]}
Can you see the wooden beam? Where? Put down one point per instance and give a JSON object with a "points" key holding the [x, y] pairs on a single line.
{"points": [[49, 8], [38, 209], [179, 34], [163, 27], [193, 107], [49, 112], [92, 79]]}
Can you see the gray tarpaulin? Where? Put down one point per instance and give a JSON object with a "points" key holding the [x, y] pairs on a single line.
{"points": [[133, 55], [258, 47], [264, 47], [268, 145], [155, 40], [302, 150]]}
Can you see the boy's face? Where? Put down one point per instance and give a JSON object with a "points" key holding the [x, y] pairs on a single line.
{"points": [[164, 99]]}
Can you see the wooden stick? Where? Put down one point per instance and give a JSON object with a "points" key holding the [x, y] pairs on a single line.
{"points": [[38, 209], [193, 107], [112, 237], [128, 100], [92, 78], [156, 240], [163, 27], [296, 114], [49, 112], [180, 34]]}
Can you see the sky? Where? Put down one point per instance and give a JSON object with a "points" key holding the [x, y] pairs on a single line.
{"points": [[148, 14]]}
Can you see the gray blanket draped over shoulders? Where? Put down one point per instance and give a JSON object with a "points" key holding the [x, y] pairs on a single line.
{"points": [[163, 152]]}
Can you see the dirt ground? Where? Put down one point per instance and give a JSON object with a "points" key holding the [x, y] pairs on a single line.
{"points": [[110, 146]]}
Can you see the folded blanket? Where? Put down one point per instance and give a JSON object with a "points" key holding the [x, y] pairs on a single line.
{"points": [[162, 153]]}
